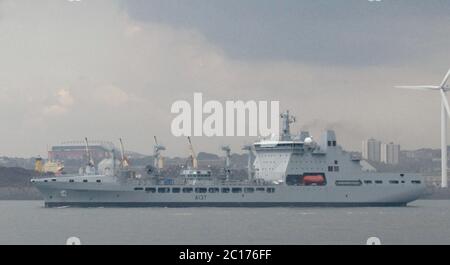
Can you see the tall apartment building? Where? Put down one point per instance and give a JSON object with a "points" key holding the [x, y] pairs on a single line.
{"points": [[371, 150], [390, 153]]}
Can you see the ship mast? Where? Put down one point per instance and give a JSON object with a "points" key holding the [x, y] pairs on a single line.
{"points": [[287, 120]]}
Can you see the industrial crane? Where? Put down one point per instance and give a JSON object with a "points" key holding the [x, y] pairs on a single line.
{"points": [[157, 157], [227, 150], [193, 155], [124, 163], [90, 167]]}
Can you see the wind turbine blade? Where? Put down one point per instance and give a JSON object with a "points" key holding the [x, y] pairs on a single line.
{"points": [[447, 76], [425, 88], [444, 99]]}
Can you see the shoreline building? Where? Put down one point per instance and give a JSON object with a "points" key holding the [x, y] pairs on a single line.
{"points": [[390, 153], [76, 150], [371, 150], [376, 151]]}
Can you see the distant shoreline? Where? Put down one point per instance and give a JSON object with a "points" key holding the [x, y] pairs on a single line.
{"points": [[434, 193], [22, 193]]}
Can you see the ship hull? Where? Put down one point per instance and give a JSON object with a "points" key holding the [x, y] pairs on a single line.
{"points": [[220, 204], [59, 194]]}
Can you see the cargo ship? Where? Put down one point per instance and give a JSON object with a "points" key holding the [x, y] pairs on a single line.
{"points": [[288, 171]]}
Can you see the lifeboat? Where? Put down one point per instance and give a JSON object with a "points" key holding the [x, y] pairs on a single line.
{"points": [[313, 180]]}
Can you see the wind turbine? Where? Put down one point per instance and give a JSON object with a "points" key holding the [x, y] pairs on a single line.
{"points": [[445, 113]]}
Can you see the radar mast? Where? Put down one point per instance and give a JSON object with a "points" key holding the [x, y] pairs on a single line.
{"points": [[287, 120]]}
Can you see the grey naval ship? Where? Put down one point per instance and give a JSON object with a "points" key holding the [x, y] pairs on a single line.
{"points": [[287, 171]]}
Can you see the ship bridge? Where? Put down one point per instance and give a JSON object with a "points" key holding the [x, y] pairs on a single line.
{"points": [[287, 154]]}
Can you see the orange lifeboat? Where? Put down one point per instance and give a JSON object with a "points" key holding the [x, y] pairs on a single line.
{"points": [[313, 180]]}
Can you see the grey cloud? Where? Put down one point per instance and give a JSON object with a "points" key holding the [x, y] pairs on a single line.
{"points": [[123, 72], [352, 32]]}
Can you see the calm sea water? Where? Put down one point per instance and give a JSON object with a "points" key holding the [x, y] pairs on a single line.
{"points": [[27, 222]]}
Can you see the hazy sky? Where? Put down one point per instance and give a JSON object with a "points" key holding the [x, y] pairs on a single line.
{"points": [[109, 69]]}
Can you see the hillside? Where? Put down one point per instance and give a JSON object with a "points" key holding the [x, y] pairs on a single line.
{"points": [[15, 184], [15, 177]]}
